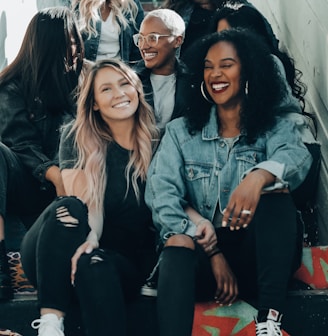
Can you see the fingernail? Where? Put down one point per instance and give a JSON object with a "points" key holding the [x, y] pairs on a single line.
{"points": [[224, 224], [232, 228], [237, 227], [245, 226]]}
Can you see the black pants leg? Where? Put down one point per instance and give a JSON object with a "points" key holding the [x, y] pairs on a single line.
{"points": [[48, 247], [265, 255], [278, 242], [105, 280], [20, 192], [176, 291]]}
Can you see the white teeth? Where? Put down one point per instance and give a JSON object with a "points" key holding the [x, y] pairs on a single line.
{"points": [[219, 86], [123, 104], [149, 55]]}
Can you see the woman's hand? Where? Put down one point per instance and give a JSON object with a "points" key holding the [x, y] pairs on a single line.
{"points": [[205, 235], [227, 288], [244, 199], [86, 247]]}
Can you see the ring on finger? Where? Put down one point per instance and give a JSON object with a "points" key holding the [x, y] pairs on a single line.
{"points": [[246, 212]]}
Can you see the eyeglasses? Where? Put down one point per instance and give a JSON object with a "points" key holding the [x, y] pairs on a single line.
{"points": [[151, 39]]}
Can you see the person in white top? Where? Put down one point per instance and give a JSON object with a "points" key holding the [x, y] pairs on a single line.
{"points": [[107, 28]]}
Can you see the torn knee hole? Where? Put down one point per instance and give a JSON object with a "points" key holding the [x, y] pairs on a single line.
{"points": [[96, 259], [63, 216]]}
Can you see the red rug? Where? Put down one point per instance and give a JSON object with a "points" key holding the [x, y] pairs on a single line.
{"points": [[238, 319]]}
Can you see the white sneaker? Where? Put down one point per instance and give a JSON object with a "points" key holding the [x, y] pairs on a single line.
{"points": [[271, 327], [149, 289], [49, 325]]}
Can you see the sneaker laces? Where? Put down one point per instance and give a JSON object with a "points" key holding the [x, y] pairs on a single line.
{"points": [[268, 328], [49, 325]]}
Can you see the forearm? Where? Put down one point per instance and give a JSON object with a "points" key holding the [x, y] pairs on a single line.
{"points": [[53, 175]]}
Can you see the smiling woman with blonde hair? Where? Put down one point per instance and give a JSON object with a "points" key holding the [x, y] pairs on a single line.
{"points": [[94, 241]]}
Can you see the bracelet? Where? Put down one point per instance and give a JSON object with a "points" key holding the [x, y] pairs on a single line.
{"points": [[214, 252]]}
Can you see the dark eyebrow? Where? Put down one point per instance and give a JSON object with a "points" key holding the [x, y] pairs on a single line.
{"points": [[222, 60]]}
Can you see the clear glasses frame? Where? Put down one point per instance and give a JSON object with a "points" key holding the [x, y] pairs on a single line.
{"points": [[151, 39]]}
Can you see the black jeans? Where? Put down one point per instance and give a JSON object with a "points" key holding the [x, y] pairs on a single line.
{"points": [[263, 258], [20, 192], [104, 279]]}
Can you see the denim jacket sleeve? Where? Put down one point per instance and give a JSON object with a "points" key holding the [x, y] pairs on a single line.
{"points": [[166, 189], [287, 157]]}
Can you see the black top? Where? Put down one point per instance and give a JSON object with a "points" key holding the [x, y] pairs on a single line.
{"points": [[127, 221], [197, 27]]}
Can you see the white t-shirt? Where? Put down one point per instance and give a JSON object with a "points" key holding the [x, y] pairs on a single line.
{"points": [[164, 97], [109, 44]]}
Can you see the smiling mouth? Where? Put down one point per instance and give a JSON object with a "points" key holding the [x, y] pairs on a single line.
{"points": [[149, 56], [219, 87], [123, 104]]}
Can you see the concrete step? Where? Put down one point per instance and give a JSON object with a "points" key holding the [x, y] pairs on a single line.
{"points": [[306, 315], [306, 311]]}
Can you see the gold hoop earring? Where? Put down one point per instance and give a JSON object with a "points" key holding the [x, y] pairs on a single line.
{"points": [[204, 94]]}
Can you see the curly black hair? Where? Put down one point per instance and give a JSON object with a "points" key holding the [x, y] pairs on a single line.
{"points": [[259, 106], [246, 16]]}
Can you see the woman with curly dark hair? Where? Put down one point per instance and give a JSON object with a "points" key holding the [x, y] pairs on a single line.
{"points": [[234, 158], [246, 16]]}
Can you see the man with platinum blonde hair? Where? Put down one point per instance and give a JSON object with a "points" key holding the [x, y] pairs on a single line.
{"points": [[165, 78]]}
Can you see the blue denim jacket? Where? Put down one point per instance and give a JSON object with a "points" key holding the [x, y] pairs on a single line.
{"points": [[128, 51], [201, 170]]}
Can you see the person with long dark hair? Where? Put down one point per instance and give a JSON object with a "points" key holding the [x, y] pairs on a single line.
{"points": [[234, 158], [246, 16], [36, 98]]}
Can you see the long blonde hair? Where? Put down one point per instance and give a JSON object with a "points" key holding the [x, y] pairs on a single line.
{"points": [[88, 13], [93, 135]]}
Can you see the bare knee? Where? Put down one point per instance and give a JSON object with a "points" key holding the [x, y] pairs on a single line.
{"points": [[180, 240], [64, 216], [70, 211]]}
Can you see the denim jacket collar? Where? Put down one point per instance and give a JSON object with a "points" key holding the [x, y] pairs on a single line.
{"points": [[210, 130]]}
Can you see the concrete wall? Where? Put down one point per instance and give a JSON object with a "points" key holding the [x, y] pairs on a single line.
{"points": [[302, 27]]}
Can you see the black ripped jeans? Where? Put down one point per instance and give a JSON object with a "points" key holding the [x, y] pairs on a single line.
{"points": [[104, 279]]}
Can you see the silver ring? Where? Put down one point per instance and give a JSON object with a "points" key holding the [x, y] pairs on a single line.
{"points": [[246, 212]]}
